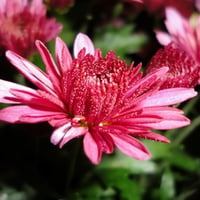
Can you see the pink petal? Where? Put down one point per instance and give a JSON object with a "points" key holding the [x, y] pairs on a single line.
{"points": [[31, 72], [174, 22], [38, 99], [72, 133], [167, 124], [37, 7], [25, 114], [51, 67], [155, 74], [59, 133], [131, 146], [83, 41], [152, 136], [163, 38], [169, 96], [63, 56], [5, 91], [91, 149]]}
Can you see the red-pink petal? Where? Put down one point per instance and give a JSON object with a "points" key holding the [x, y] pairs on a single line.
{"points": [[131, 146], [31, 72], [156, 75], [51, 67], [63, 56], [151, 136]]}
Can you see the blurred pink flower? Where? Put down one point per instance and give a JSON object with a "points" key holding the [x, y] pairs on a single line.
{"points": [[157, 7], [185, 37], [185, 7], [183, 70], [24, 22], [60, 4], [99, 98], [133, 1], [197, 4], [181, 33]]}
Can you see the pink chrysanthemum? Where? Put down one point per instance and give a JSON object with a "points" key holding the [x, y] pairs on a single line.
{"points": [[23, 22], [182, 33], [183, 70], [99, 98]]}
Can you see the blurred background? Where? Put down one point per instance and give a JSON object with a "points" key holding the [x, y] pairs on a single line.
{"points": [[31, 168]]}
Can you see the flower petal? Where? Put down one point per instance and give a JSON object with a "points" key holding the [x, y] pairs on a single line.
{"points": [[163, 38], [72, 133], [51, 67], [6, 95], [83, 41], [59, 133], [152, 136], [31, 72], [131, 146], [169, 96], [25, 114], [91, 149], [63, 56], [153, 75]]}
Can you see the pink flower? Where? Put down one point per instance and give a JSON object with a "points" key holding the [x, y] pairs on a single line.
{"points": [[185, 37], [24, 22], [183, 70], [182, 33], [99, 98]]}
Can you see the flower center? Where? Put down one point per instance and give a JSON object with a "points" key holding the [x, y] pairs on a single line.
{"points": [[95, 86]]}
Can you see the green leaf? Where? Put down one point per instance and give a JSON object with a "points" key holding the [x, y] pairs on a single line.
{"points": [[122, 40], [119, 160], [184, 161], [120, 180], [167, 185]]}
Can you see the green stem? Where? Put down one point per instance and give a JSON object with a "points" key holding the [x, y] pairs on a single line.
{"points": [[190, 105], [71, 169], [186, 131], [187, 110]]}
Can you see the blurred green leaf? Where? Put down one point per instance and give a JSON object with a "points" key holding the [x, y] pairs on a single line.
{"points": [[184, 161], [167, 185], [92, 192], [121, 180], [8, 193], [158, 149], [122, 40], [120, 160]]}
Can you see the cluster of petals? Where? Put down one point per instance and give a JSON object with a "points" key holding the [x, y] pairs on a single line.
{"points": [[184, 36], [183, 69], [99, 98], [23, 22], [181, 32]]}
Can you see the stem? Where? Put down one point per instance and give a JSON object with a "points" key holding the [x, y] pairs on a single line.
{"points": [[187, 110], [70, 172], [186, 131]]}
